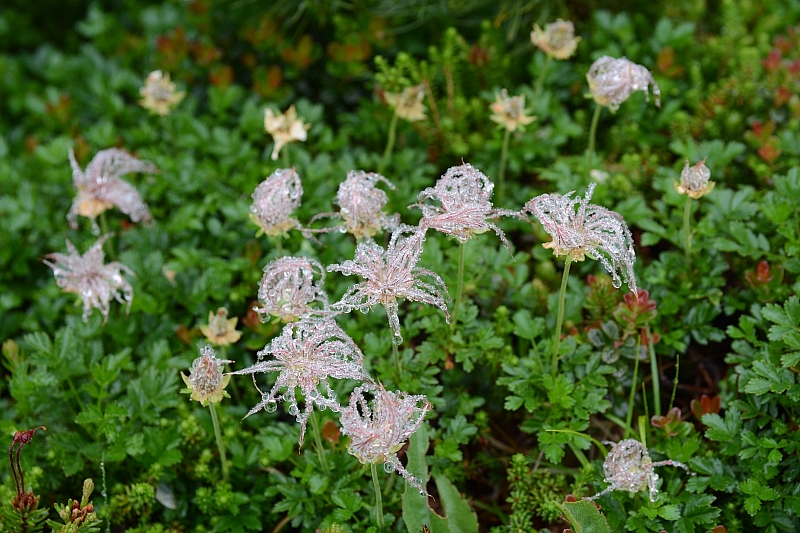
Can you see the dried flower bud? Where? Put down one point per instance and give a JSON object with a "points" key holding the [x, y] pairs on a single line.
{"points": [[612, 81], [305, 355], [284, 128], [287, 288], [694, 180], [464, 193], [391, 274], [361, 204], [377, 434], [86, 275], [158, 94], [579, 228], [628, 467], [509, 111], [205, 382], [557, 40], [220, 330], [100, 187], [408, 104], [274, 201]]}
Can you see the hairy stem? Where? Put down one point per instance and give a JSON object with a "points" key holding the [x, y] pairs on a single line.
{"points": [[378, 498], [108, 245], [396, 356], [592, 134], [654, 374], [218, 437], [459, 287], [278, 245], [687, 232], [389, 143], [560, 318], [501, 177], [675, 382], [632, 397], [318, 443], [285, 157], [540, 81]]}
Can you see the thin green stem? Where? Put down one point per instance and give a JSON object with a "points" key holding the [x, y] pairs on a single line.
{"points": [[104, 493], [218, 436], [675, 382], [654, 374], [396, 357], [459, 287], [592, 134], [501, 177], [540, 80], [278, 245], [687, 232], [108, 245], [285, 157], [560, 319], [378, 497], [629, 417], [389, 143], [318, 443]]}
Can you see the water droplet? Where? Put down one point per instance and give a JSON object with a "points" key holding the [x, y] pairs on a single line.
{"points": [[271, 407]]}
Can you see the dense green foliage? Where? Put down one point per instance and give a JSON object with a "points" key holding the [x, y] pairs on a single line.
{"points": [[702, 368]]}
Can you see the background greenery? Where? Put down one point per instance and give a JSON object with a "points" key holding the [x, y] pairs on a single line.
{"points": [[729, 322]]}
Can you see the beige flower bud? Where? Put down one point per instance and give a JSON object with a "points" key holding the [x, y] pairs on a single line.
{"points": [[284, 128], [509, 111], [158, 94], [408, 104], [220, 330], [694, 180], [557, 39]]}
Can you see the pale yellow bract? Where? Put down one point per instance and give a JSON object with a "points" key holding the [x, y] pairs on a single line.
{"points": [[158, 94], [284, 128]]}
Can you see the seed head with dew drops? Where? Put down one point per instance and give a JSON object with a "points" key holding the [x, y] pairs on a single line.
{"points": [[100, 187], [628, 467], [288, 288], [581, 229], [612, 81], [275, 200], [305, 355], [464, 205], [97, 283], [206, 382], [361, 205], [695, 180], [377, 433], [390, 274]]}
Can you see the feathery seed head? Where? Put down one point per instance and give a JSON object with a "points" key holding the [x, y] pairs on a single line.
{"points": [[86, 275], [274, 201], [464, 193], [287, 288], [612, 81], [305, 355], [694, 180], [579, 229], [205, 381], [391, 274], [557, 39], [377, 433], [361, 204], [158, 94], [100, 187], [509, 111], [408, 103], [284, 128], [220, 330], [628, 467]]}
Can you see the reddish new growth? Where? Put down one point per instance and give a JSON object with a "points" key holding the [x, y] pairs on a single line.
{"points": [[377, 434], [22, 500], [86, 275], [464, 194], [306, 354], [579, 229], [287, 288], [361, 205], [391, 274], [100, 187]]}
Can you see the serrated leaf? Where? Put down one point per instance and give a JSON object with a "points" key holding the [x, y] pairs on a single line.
{"points": [[584, 517], [527, 327], [752, 505], [758, 386], [669, 512], [790, 359]]}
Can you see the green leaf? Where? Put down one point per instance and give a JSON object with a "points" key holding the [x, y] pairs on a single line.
{"points": [[752, 505], [584, 517], [669, 512], [527, 327], [416, 512], [460, 517]]}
